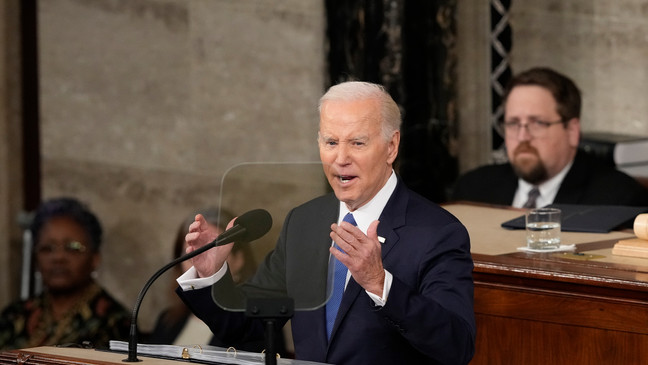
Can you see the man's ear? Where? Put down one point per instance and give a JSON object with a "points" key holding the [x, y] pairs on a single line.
{"points": [[573, 131], [392, 148]]}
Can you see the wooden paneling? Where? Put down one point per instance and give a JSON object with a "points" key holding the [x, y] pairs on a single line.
{"points": [[535, 309]]}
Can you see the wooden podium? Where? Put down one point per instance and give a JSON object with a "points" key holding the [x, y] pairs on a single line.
{"points": [[50, 355], [586, 307]]}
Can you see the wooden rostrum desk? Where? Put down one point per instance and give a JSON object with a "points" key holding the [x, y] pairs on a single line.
{"points": [[51, 355], [554, 308]]}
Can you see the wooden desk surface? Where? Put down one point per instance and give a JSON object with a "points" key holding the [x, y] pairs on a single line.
{"points": [[489, 238], [496, 247], [554, 308], [72, 356]]}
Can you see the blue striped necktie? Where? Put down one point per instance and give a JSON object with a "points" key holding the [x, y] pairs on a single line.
{"points": [[339, 280]]}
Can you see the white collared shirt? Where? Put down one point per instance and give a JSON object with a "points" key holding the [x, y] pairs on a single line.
{"points": [[548, 189], [364, 216]]}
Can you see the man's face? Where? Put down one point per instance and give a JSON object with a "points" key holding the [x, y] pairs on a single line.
{"points": [[356, 157], [537, 158]]}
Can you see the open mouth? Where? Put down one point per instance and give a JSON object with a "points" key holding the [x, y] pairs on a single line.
{"points": [[346, 178]]}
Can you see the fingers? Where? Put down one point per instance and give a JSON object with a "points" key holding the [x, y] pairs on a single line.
{"points": [[348, 236], [342, 239], [198, 224], [372, 231], [362, 254], [200, 232], [231, 223], [345, 233], [354, 243], [191, 237], [341, 256]]}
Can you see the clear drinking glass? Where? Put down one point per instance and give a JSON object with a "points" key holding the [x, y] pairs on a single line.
{"points": [[543, 228]]}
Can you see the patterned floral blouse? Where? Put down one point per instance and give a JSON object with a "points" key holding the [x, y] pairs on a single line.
{"points": [[98, 319]]}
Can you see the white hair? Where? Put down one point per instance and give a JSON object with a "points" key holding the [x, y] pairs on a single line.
{"points": [[360, 90]]}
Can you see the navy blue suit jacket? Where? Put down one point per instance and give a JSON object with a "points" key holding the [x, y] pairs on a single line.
{"points": [[589, 181], [428, 317]]}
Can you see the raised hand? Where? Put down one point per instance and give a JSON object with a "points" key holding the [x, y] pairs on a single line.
{"points": [[200, 234], [362, 254]]}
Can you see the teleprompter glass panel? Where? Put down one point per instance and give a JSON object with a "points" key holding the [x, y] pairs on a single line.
{"points": [[297, 268]]}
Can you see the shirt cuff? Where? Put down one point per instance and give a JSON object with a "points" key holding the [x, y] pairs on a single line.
{"points": [[190, 280], [382, 301]]}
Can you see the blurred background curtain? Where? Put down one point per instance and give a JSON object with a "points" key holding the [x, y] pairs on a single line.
{"points": [[409, 47], [501, 42]]}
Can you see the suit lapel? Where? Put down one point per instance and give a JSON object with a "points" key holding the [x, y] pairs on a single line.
{"points": [[578, 175], [392, 217], [503, 192], [321, 228]]}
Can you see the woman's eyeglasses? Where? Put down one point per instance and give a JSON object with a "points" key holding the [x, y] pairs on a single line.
{"points": [[71, 247]]}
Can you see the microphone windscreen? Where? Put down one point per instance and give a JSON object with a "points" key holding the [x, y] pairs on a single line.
{"points": [[256, 222]]}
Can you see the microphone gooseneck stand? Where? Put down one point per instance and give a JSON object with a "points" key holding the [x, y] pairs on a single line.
{"points": [[132, 338], [248, 227]]}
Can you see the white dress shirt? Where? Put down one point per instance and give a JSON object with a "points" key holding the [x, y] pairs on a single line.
{"points": [[548, 189]]}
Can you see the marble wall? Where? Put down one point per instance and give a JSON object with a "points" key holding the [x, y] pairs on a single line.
{"points": [[146, 104], [600, 44]]}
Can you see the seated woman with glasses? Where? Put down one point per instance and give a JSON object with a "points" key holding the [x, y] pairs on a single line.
{"points": [[72, 308], [541, 131]]}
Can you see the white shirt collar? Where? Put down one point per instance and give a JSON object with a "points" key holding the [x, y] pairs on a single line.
{"points": [[548, 189], [372, 210]]}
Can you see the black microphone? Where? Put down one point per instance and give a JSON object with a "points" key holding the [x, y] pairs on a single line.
{"points": [[247, 227]]}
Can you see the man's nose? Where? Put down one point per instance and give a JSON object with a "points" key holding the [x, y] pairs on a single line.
{"points": [[523, 133], [342, 156]]}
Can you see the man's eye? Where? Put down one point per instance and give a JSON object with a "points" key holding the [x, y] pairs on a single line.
{"points": [[331, 143], [511, 124]]}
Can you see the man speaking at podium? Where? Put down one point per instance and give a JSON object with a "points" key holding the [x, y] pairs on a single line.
{"points": [[408, 293]]}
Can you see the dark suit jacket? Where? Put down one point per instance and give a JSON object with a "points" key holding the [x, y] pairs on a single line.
{"points": [[428, 317], [589, 181], [169, 325]]}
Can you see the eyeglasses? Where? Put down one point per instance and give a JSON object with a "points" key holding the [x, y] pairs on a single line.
{"points": [[536, 128], [71, 247]]}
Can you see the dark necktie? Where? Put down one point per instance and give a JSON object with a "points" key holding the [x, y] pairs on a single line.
{"points": [[533, 196], [339, 280]]}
